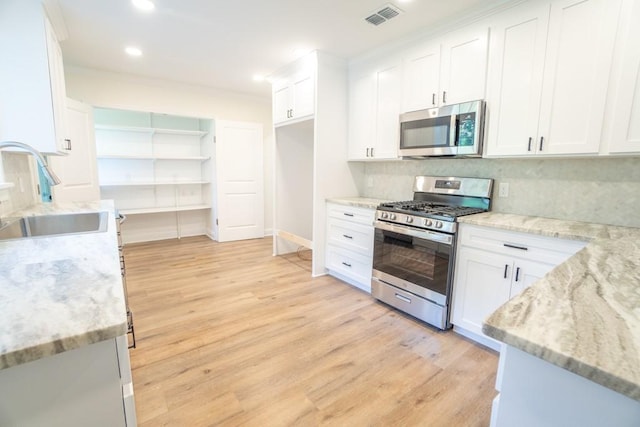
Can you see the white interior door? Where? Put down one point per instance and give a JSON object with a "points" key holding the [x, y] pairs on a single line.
{"points": [[240, 180], [77, 170]]}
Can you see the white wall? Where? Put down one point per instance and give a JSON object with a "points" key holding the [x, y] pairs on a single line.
{"points": [[114, 90]]}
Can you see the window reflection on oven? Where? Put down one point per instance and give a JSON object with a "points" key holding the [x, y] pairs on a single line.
{"points": [[419, 261]]}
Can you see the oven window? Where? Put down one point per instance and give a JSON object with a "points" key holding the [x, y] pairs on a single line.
{"points": [[419, 261], [426, 133]]}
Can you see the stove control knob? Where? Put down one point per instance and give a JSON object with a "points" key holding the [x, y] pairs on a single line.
{"points": [[438, 224], [392, 216], [384, 215], [409, 219], [428, 222]]}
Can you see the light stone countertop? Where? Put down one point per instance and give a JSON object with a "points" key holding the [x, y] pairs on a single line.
{"points": [[59, 293], [584, 315], [360, 202]]}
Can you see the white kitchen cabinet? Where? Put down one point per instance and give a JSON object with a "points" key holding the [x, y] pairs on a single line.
{"points": [[156, 167], [78, 170], [374, 110], [448, 70], [350, 244], [90, 385], [32, 89], [550, 68], [493, 266], [294, 93], [624, 115]]}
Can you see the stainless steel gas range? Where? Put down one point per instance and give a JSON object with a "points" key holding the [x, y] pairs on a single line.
{"points": [[414, 247]]}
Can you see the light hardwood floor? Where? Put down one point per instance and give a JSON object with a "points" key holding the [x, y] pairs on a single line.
{"points": [[229, 335]]}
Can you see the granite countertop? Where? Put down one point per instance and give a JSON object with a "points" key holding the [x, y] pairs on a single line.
{"points": [[584, 315], [360, 202], [59, 293]]}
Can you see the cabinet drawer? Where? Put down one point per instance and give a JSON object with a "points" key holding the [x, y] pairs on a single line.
{"points": [[352, 236], [350, 264], [549, 250], [350, 213]]}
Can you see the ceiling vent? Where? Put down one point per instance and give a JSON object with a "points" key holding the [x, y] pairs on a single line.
{"points": [[384, 13]]}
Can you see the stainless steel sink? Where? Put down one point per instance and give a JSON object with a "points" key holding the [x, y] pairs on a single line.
{"points": [[54, 225]]}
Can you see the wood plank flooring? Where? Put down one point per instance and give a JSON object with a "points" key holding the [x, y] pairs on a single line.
{"points": [[228, 335]]}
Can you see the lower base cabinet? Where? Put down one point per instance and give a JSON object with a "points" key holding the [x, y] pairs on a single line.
{"points": [[534, 392], [350, 244], [87, 386], [493, 266]]}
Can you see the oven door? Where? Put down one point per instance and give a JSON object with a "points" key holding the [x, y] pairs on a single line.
{"points": [[418, 261]]}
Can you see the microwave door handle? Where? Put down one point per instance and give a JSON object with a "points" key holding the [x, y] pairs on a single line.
{"points": [[453, 135]]}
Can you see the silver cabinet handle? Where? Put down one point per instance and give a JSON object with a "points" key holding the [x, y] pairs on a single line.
{"points": [[346, 236], [541, 142], [444, 96], [433, 99], [367, 151], [68, 144], [529, 146], [517, 273], [506, 268], [372, 152], [346, 264], [403, 298], [347, 214]]}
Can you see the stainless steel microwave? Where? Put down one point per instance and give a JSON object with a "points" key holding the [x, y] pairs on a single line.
{"points": [[452, 130]]}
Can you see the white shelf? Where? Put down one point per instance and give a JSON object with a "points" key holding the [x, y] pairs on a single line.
{"points": [[150, 183], [162, 210], [151, 130], [122, 157]]}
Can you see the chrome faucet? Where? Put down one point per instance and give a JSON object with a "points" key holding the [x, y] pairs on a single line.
{"points": [[46, 171]]}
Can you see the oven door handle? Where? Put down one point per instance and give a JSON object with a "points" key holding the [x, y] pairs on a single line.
{"points": [[408, 231]]}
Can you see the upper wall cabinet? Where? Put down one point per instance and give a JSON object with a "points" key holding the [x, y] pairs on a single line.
{"points": [[294, 92], [549, 74], [374, 110], [32, 91], [446, 71], [624, 114]]}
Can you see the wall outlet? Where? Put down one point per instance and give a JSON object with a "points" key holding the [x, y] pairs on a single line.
{"points": [[503, 189]]}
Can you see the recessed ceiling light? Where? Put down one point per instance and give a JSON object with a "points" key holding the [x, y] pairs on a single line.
{"points": [[258, 78], [144, 5], [133, 51]]}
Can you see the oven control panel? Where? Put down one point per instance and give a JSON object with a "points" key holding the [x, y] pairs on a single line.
{"points": [[416, 221]]}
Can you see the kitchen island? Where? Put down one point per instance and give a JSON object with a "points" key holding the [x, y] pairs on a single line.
{"points": [[572, 340], [63, 349]]}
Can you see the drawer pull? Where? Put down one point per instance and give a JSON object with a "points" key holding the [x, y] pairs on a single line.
{"points": [[522, 248], [347, 214], [517, 273], [506, 268], [403, 298], [346, 236], [346, 264]]}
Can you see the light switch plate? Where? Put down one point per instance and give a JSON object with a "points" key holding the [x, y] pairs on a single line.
{"points": [[503, 189]]}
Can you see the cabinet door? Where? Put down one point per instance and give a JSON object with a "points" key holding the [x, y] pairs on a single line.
{"points": [[579, 53], [78, 170], [516, 67], [625, 114], [464, 66], [525, 274], [303, 96], [388, 96], [482, 284], [421, 78], [281, 103], [361, 116], [58, 89]]}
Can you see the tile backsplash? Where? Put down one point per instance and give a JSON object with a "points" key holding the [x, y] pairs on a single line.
{"points": [[17, 171], [601, 190]]}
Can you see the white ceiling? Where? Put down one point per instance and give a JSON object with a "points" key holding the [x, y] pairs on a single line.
{"points": [[224, 43]]}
